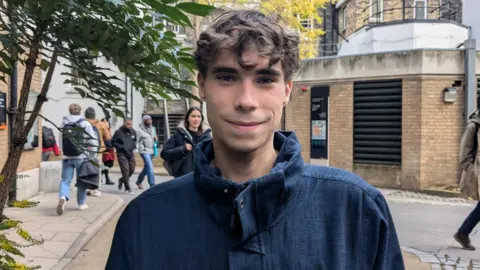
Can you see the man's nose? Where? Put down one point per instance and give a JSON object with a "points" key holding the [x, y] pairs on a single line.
{"points": [[245, 99]]}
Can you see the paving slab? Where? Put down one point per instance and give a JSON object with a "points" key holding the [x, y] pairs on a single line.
{"points": [[64, 236]]}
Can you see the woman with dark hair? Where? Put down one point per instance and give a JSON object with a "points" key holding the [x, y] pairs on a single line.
{"points": [[178, 151]]}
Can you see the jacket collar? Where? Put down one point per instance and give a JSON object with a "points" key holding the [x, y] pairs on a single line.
{"points": [[252, 206]]}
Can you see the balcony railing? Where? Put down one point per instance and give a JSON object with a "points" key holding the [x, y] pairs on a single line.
{"points": [[446, 11]]}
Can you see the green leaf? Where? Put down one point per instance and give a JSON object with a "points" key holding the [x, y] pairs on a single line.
{"points": [[196, 8], [176, 15], [44, 64]]}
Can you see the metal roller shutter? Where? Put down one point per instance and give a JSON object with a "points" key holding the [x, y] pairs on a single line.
{"points": [[377, 135]]}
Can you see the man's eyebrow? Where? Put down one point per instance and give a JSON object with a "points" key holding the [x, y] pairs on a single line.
{"points": [[224, 70], [268, 71]]}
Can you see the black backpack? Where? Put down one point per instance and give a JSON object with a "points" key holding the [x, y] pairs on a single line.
{"points": [[48, 138], [73, 135]]}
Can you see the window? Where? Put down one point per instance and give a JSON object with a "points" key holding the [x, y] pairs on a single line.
{"points": [[377, 122], [343, 18], [376, 10], [420, 9], [306, 23]]}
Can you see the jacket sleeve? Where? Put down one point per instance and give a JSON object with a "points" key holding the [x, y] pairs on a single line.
{"points": [[466, 146], [173, 152], [388, 254], [117, 142], [124, 245], [56, 150]]}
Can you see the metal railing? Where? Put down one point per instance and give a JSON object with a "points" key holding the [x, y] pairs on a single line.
{"points": [[446, 11]]}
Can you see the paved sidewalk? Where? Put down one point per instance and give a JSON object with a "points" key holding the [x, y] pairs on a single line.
{"points": [[64, 235]]}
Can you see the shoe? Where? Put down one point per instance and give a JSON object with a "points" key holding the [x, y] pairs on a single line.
{"points": [[83, 207], [109, 183], [139, 186], [61, 205], [95, 193], [119, 186], [129, 192], [464, 240]]}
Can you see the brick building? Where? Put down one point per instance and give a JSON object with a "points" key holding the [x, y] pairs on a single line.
{"points": [[383, 116], [28, 184]]}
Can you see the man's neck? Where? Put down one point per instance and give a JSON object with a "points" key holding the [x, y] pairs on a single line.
{"points": [[241, 167]]}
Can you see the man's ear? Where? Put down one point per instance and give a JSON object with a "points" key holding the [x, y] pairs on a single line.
{"points": [[201, 84], [288, 92]]}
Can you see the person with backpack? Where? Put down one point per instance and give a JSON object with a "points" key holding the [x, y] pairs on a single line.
{"points": [[78, 139], [178, 151], [104, 140], [125, 141], [469, 183], [49, 144]]}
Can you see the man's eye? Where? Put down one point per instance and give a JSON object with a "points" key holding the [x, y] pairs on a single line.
{"points": [[265, 80], [226, 78]]}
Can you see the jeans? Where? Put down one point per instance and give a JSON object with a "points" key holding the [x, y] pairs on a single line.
{"points": [[471, 221], [147, 170], [127, 167], [69, 166]]}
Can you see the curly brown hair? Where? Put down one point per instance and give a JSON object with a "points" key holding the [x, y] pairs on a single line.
{"points": [[242, 30]]}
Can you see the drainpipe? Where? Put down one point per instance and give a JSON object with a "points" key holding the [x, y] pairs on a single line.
{"points": [[165, 116], [403, 9], [470, 78], [131, 101], [12, 112], [126, 96]]}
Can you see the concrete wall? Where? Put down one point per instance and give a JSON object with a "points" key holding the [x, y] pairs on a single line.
{"points": [[431, 128], [404, 36]]}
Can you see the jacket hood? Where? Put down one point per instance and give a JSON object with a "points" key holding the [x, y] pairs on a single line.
{"points": [[475, 117], [71, 118], [205, 127]]}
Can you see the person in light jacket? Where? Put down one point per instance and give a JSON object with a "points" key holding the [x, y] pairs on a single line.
{"points": [[469, 183], [178, 150], [146, 141]]}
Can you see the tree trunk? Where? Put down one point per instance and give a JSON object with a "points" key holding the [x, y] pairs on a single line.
{"points": [[19, 137]]}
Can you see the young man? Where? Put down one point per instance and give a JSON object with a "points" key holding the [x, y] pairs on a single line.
{"points": [[125, 141], [74, 147], [251, 202], [146, 142]]}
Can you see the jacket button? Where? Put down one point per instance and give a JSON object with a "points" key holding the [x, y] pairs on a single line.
{"points": [[225, 190], [241, 203]]}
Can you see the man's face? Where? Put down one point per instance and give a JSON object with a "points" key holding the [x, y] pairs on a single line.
{"points": [[148, 122], [244, 107], [128, 124]]}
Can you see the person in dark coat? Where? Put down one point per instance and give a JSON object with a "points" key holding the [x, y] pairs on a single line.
{"points": [[178, 151], [125, 141]]}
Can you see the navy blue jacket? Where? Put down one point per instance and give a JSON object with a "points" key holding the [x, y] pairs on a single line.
{"points": [[297, 217]]}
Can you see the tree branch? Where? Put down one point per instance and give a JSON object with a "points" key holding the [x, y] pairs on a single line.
{"points": [[42, 97]]}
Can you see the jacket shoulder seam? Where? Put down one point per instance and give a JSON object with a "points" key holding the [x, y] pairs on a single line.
{"points": [[372, 193], [163, 191]]}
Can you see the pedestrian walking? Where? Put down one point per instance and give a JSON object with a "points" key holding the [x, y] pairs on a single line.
{"points": [[146, 143], [104, 139], [49, 144], [108, 158], [178, 152], [77, 136], [125, 141], [469, 183], [251, 201]]}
